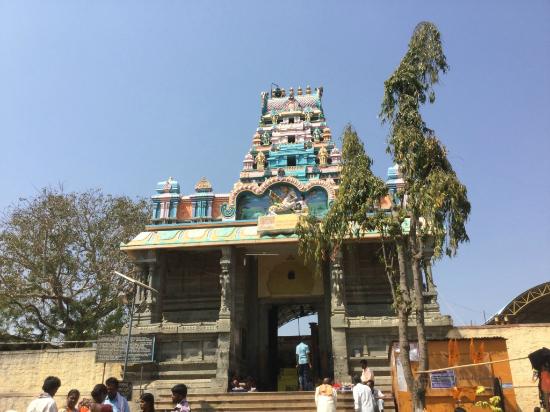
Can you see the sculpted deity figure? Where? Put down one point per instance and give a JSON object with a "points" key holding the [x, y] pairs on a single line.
{"points": [[260, 161], [266, 138], [317, 134], [286, 203], [323, 156]]}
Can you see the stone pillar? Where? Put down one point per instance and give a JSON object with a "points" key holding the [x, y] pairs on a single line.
{"points": [[155, 299], [430, 292], [147, 303], [224, 321], [144, 315], [338, 320]]}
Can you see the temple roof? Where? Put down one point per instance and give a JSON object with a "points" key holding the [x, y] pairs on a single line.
{"points": [[203, 236], [203, 185], [285, 103], [216, 234], [278, 101]]}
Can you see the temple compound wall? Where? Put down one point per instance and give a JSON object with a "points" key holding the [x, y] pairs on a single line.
{"points": [[22, 374]]}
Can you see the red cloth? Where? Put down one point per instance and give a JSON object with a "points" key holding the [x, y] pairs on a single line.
{"points": [[545, 381]]}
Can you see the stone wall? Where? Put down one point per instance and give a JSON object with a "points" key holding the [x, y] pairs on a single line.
{"points": [[367, 288], [191, 286], [22, 374], [521, 340]]}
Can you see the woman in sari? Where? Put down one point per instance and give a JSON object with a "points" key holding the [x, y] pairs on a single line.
{"points": [[325, 397]]}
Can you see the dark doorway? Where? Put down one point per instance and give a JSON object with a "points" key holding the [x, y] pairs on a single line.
{"points": [[273, 364], [288, 324]]}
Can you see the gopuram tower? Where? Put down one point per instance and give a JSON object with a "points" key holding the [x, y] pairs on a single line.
{"points": [[229, 273]]}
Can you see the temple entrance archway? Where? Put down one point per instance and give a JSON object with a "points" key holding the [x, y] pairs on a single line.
{"points": [[281, 289]]}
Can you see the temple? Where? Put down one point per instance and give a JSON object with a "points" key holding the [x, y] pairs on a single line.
{"points": [[229, 274]]}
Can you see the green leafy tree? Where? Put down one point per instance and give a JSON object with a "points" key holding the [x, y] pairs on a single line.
{"points": [[428, 212], [358, 209], [432, 197], [57, 254]]}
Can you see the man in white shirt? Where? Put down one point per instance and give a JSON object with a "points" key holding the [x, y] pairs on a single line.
{"points": [[363, 400], [378, 397], [115, 399], [45, 402]]}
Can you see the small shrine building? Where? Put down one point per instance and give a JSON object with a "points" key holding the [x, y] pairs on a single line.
{"points": [[229, 274]]}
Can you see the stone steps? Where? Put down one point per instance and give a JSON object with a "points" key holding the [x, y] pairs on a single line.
{"points": [[187, 375], [259, 402]]}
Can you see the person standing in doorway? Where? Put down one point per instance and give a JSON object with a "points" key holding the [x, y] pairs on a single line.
{"points": [[303, 364], [115, 399], [45, 401]]}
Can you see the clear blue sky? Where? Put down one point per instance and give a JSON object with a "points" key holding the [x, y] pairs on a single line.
{"points": [[120, 94]]}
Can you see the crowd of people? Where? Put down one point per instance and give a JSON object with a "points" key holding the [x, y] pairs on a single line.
{"points": [[107, 398], [366, 398], [103, 398], [237, 384]]}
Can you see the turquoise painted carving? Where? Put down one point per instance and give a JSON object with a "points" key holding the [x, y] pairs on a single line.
{"points": [[317, 202], [227, 211], [251, 206]]}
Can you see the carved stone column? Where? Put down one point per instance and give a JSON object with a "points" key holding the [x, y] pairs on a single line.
{"points": [[155, 299], [337, 284], [143, 314], [430, 292], [225, 285], [430, 285], [224, 321], [338, 320], [150, 272]]}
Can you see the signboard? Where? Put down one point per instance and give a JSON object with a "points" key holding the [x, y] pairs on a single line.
{"points": [[443, 379], [125, 389], [113, 349]]}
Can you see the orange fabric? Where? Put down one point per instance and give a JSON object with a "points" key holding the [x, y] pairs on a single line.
{"points": [[450, 352], [545, 381], [456, 393], [457, 353], [453, 352], [325, 390], [480, 354]]}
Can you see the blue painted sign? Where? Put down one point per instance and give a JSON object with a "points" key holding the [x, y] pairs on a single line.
{"points": [[443, 379]]}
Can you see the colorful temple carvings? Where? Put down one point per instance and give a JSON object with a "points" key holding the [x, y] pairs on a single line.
{"points": [[292, 167], [166, 201]]}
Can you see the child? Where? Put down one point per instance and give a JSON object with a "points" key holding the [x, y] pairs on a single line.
{"points": [[179, 397]]}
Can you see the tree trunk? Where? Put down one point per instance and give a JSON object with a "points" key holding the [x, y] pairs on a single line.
{"points": [[416, 256], [403, 311]]}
